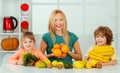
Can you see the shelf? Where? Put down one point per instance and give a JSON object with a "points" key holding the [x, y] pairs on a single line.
{"points": [[1, 50], [10, 8], [26, 15], [9, 33]]}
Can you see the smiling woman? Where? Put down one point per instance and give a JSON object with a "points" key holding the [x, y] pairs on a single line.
{"points": [[59, 34]]}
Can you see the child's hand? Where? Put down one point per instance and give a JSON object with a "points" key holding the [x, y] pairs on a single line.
{"points": [[20, 62]]}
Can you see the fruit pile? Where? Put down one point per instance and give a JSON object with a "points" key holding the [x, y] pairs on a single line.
{"points": [[43, 64], [85, 64], [31, 60], [60, 65], [55, 64], [60, 50], [100, 54]]}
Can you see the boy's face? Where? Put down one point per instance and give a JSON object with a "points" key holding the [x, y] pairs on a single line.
{"points": [[100, 39], [28, 44], [58, 22]]}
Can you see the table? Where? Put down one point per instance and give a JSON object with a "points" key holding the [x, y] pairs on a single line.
{"points": [[7, 68]]}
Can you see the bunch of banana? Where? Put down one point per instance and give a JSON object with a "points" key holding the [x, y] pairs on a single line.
{"points": [[101, 53]]}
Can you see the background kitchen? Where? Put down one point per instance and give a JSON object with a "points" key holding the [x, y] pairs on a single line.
{"points": [[83, 17]]}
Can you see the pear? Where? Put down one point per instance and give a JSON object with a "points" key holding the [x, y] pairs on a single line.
{"points": [[40, 64]]}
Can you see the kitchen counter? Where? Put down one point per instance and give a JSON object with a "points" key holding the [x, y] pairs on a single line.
{"points": [[7, 68]]}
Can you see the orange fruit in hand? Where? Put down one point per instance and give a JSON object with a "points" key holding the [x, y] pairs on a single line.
{"points": [[65, 48], [57, 52], [63, 55], [53, 49], [57, 46]]}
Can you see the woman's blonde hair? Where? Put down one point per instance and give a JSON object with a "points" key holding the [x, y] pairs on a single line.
{"points": [[29, 35], [52, 29]]}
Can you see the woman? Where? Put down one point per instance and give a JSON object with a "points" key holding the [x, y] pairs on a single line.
{"points": [[58, 34]]}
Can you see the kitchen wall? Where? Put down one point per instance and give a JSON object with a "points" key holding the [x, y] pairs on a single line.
{"points": [[83, 17], [1, 14]]}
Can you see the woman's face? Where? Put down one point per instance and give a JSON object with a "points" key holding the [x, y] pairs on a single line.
{"points": [[28, 44], [100, 39], [58, 22]]}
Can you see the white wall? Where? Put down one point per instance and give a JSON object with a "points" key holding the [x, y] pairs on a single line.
{"points": [[83, 17]]}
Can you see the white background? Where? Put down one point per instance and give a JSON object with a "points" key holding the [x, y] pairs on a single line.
{"points": [[83, 17]]}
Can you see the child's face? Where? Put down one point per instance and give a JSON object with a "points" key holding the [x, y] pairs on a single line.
{"points": [[28, 44], [58, 22], [100, 39]]}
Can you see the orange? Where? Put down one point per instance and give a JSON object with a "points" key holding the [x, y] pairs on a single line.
{"points": [[53, 49], [65, 48], [64, 55], [57, 46], [57, 52]]}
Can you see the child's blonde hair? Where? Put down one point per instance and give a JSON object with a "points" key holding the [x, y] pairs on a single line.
{"points": [[51, 26], [29, 35], [105, 31]]}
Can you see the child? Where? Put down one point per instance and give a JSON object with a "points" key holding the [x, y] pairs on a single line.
{"points": [[102, 52], [28, 43], [58, 34]]}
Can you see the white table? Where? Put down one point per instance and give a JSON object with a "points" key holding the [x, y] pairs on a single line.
{"points": [[6, 68]]}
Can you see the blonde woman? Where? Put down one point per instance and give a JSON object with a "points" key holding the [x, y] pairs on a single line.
{"points": [[59, 34]]}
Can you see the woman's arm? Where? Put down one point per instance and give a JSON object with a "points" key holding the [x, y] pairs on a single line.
{"points": [[43, 47], [77, 55]]}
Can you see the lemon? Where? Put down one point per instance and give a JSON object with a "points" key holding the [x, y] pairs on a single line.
{"points": [[60, 63], [47, 61], [54, 63], [88, 65], [79, 64]]}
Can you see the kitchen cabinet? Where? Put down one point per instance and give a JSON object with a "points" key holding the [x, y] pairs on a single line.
{"points": [[15, 8], [9, 8], [21, 10]]}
